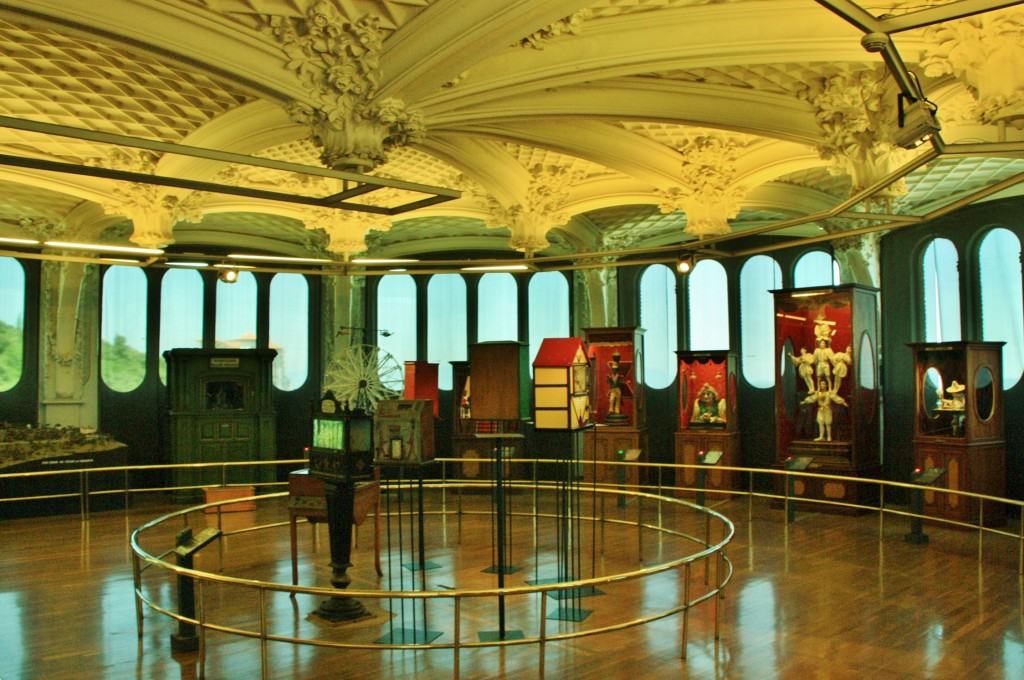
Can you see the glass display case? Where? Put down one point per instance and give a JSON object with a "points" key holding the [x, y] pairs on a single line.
{"points": [[707, 418], [958, 425], [826, 392], [618, 401]]}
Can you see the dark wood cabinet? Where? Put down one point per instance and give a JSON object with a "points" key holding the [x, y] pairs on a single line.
{"points": [[958, 426], [707, 418], [220, 410]]}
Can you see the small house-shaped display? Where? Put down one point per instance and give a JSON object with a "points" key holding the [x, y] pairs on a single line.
{"points": [[561, 391], [404, 432]]}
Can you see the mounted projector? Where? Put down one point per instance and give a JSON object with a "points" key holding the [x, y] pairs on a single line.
{"points": [[917, 123]]}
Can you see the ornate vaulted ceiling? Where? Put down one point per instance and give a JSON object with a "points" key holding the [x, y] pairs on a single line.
{"points": [[570, 128]]}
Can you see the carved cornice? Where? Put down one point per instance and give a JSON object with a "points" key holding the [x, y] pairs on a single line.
{"points": [[708, 194], [987, 52], [338, 63]]}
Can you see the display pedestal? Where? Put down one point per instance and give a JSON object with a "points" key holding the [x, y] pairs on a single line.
{"points": [[689, 445], [605, 442]]}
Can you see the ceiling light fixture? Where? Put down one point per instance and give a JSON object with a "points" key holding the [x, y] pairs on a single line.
{"points": [[917, 123], [19, 241], [685, 263], [383, 260], [184, 263], [228, 275]]}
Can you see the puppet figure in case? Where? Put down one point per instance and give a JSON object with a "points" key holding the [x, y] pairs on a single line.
{"points": [[827, 383], [404, 432], [707, 416]]}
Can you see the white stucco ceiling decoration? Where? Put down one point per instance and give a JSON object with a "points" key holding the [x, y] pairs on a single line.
{"points": [[569, 126]]}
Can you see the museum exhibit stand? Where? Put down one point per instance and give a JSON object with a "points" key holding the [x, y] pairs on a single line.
{"points": [[958, 426], [707, 421], [220, 410], [618, 406], [826, 390]]}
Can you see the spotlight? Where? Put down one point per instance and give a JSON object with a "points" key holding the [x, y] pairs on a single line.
{"points": [[228, 275], [684, 265], [917, 123]]}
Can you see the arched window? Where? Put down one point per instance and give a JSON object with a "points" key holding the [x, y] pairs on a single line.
{"points": [[396, 317], [658, 319], [548, 310], [941, 295], [497, 308], [446, 324], [289, 330], [1002, 303], [123, 329], [181, 312], [708, 287], [816, 268], [759, 275], [235, 326], [12, 322]]}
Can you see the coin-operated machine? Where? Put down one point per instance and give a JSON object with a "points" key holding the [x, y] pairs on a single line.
{"points": [[342, 456]]}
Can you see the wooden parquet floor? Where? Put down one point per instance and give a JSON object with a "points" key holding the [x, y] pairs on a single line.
{"points": [[826, 596]]}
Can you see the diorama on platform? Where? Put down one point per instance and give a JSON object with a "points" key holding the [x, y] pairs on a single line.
{"points": [[958, 426], [707, 417], [618, 404], [826, 394]]}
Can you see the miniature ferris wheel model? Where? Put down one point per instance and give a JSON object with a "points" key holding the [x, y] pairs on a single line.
{"points": [[363, 376]]}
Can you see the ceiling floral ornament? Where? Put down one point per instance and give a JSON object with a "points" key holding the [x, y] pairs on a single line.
{"points": [[346, 230], [570, 25], [338, 62], [153, 209], [986, 52], [541, 209], [711, 197], [856, 113]]}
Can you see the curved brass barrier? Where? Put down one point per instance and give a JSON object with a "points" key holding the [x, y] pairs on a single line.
{"points": [[204, 619]]}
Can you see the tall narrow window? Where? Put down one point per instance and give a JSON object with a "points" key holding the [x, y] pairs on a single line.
{"points": [[12, 322], [1002, 302], [446, 324], [123, 329], [236, 313], [816, 268], [941, 295], [548, 309], [658, 319], [759, 275], [497, 308], [708, 287], [181, 312], [289, 330], [396, 317]]}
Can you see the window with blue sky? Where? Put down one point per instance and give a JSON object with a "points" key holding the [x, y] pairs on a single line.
{"points": [[497, 308], [396, 317], [708, 296], [123, 328], [235, 325], [941, 294], [549, 309], [658, 319], [1002, 303], [181, 312], [446, 324], [289, 330], [12, 322], [815, 268], [759, 276]]}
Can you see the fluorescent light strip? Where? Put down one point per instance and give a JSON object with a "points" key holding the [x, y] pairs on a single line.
{"points": [[103, 248], [382, 260], [194, 265], [20, 241], [280, 258], [498, 268], [232, 265]]}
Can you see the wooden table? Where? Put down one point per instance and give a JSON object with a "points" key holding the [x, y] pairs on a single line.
{"points": [[306, 499]]}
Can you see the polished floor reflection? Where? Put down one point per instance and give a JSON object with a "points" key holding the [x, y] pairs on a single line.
{"points": [[826, 596]]}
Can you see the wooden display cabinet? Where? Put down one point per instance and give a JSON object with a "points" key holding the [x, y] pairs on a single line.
{"points": [[826, 391], [479, 453], [707, 418], [958, 426], [618, 402]]}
